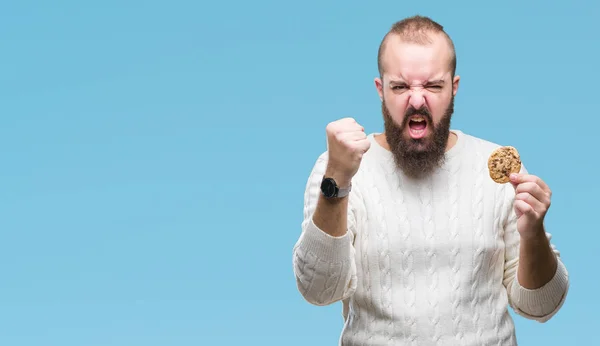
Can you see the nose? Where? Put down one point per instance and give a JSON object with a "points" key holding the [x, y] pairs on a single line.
{"points": [[416, 98]]}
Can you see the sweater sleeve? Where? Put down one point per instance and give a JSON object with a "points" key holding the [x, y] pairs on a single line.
{"points": [[539, 304], [324, 265]]}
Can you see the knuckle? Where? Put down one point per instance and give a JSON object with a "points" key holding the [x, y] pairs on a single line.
{"points": [[538, 181], [529, 208], [329, 129]]}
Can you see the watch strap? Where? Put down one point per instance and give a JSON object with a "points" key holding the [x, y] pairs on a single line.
{"points": [[343, 192]]}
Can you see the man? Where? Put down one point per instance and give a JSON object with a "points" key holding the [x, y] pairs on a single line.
{"points": [[408, 229]]}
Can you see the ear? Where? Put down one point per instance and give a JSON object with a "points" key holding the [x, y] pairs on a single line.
{"points": [[455, 83], [379, 87]]}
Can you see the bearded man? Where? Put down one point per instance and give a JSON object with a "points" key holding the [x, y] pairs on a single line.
{"points": [[408, 230]]}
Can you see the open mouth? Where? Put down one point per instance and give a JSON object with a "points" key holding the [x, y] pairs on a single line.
{"points": [[417, 127]]}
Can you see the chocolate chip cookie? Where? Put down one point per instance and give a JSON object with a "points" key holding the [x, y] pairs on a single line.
{"points": [[503, 162]]}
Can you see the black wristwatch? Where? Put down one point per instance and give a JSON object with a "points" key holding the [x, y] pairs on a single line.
{"points": [[330, 189]]}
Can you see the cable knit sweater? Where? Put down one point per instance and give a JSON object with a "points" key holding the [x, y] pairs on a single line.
{"points": [[432, 263]]}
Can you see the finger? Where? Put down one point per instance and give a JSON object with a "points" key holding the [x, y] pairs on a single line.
{"points": [[524, 178], [348, 123], [362, 145], [353, 127], [348, 120], [523, 208], [535, 190], [343, 125], [538, 206], [341, 129], [351, 136]]}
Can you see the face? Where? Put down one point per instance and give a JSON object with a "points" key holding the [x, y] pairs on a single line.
{"points": [[417, 93]]}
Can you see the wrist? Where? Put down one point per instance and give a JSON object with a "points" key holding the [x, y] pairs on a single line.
{"points": [[536, 236], [342, 180]]}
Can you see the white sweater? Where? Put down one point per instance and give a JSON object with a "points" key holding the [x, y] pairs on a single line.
{"points": [[427, 264]]}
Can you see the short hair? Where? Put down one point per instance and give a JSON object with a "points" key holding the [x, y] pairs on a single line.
{"points": [[416, 29]]}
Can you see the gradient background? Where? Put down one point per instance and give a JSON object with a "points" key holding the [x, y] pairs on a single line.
{"points": [[154, 156]]}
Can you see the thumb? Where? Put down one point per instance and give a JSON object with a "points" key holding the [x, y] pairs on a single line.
{"points": [[515, 180]]}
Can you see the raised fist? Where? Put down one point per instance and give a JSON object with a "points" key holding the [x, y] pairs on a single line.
{"points": [[346, 144]]}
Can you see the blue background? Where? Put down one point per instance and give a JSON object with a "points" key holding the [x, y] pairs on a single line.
{"points": [[154, 156]]}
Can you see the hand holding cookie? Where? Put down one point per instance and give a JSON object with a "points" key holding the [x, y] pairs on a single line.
{"points": [[533, 195], [532, 202]]}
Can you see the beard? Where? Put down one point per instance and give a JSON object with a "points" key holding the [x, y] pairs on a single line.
{"points": [[418, 158]]}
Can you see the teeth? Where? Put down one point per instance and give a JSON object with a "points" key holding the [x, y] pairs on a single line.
{"points": [[418, 119]]}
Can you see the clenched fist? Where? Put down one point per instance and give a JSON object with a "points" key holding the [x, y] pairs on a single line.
{"points": [[346, 144]]}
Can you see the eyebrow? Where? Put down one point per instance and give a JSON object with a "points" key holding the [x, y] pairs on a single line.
{"points": [[430, 82], [438, 81]]}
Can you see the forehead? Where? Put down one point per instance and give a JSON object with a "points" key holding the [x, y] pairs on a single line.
{"points": [[416, 62]]}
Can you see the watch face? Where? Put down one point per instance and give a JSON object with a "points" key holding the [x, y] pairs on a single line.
{"points": [[328, 187]]}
